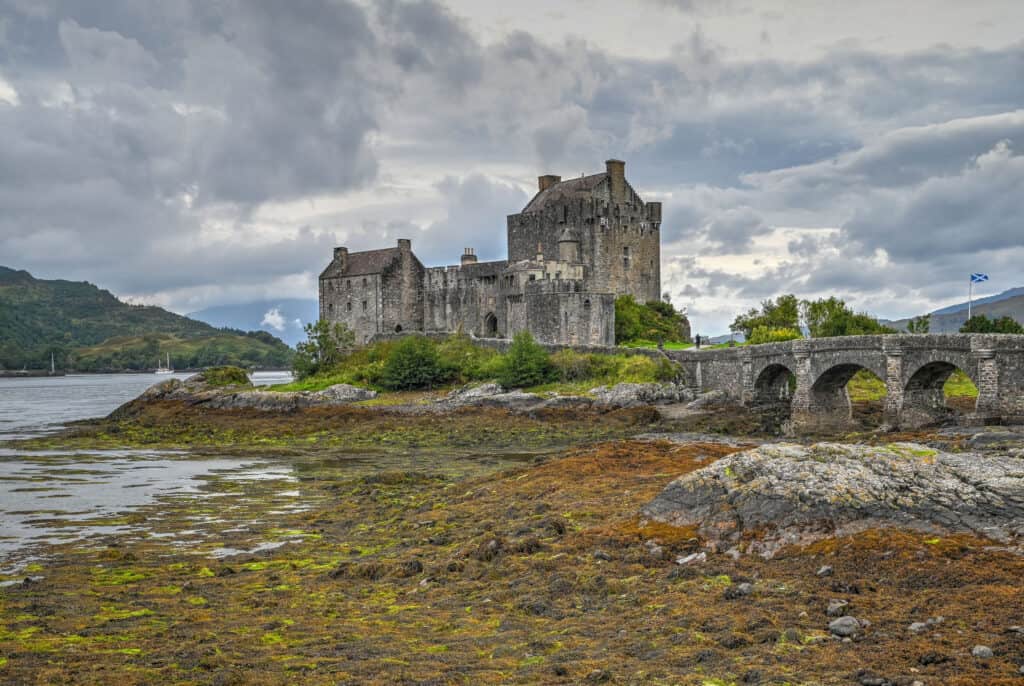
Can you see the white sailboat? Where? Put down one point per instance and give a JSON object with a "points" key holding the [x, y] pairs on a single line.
{"points": [[165, 370]]}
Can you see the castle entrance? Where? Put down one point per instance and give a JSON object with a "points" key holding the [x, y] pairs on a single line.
{"points": [[490, 326]]}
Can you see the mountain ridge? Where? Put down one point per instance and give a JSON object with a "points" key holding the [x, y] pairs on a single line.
{"points": [[88, 328]]}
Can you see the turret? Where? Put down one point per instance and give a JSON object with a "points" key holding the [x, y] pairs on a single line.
{"points": [[568, 246], [468, 256]]}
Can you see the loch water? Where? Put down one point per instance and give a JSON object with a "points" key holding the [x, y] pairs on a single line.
{"points": [[53, 496]]}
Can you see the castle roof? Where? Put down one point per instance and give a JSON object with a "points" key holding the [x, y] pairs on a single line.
{"points": [[572, 188], [366, 262]]}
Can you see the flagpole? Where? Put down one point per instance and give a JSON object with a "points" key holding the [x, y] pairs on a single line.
{"points": [[970, 297]]}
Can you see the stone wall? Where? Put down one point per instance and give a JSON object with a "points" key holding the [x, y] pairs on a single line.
{"points": [[355, 301], [463, 298], [401, 292]]}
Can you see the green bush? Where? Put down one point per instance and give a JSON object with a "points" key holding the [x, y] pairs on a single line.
{"points": [[526, 363], [653, 321], [465, 362], [573, 366], [224, 376], [764, 334], [979, 323], [413, 363]]}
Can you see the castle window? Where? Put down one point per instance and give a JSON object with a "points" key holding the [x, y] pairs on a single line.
{"points": [[348, 307], [364, 283], [330, 308], [364, 306], [533, 277], [625, 257], [586, 304], [349, 284]]}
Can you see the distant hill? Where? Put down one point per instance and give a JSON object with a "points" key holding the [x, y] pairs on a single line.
{"points": [[1005, 295], [949, 319], [88, 329], [283, 318]]}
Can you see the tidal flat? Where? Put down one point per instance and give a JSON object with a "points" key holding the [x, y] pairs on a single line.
{"points": [[414, 567], [369, 546]]}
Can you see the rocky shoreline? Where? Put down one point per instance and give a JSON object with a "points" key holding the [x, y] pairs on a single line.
{"points": [[196, 392]]}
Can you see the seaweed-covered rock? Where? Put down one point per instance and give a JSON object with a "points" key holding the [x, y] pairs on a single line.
{"points": [[636, 394], [784, 493]]}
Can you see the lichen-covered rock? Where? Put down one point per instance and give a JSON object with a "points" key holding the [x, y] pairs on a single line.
{"points": [[637, 394], [345, 393], [785, 493]]}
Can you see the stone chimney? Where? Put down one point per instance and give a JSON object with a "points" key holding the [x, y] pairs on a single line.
{"points": [[547, 181], [341, 257], [617, 175], [468, 256], [405, 245]]}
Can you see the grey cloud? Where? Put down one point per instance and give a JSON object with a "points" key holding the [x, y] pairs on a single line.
{"points": [[182, 114], [978, 209]]}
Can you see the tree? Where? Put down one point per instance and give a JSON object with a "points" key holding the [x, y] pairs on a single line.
{"points": [[526, 363], [832, 317], [979, 323], [762, 334], [413, 363], [781, 313], [325, 345], [920, 324]]}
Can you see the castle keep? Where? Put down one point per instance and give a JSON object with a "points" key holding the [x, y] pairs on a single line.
{"points": [[575, 247]]}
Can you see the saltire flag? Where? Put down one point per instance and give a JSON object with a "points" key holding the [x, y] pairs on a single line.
{"points": [[978, 278]]}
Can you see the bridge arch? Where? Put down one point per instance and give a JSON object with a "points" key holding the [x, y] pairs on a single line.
{"points": [[829, 401], [775, 383], [924, 395]]}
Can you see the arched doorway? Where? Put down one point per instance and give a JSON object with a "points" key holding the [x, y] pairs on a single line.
{"points": [[490, 326]]}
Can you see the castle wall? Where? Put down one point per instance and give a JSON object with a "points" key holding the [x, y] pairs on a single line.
{"points": [[355, 301], [562, 312], [402, 292], [463, 297]]}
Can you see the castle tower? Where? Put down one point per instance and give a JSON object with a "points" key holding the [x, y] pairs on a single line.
{"points": [[568, 246]]}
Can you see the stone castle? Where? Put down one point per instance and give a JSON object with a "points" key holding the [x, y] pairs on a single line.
{"points": [[575, 247]]}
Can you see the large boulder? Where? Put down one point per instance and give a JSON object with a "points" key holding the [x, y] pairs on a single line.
{"points": [[785, 493], [637, 394], [343, 393]]}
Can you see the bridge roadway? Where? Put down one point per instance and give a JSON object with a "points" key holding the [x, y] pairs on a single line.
{"points": [[808, 376]]}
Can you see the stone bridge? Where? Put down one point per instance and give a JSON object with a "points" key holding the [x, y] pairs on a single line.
{"points": [[808, 377]]}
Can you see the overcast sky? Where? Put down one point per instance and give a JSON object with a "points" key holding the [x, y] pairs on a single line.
{"points": [[191, 154]]}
